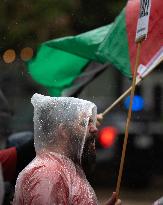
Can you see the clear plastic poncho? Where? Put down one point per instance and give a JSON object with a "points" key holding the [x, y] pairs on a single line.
{"points": [[52, 178], [52, 112]]}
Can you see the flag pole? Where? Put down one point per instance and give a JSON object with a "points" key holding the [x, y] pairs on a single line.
{"points": [[138, 80], [141, 34], [119, 99], [128, 121]]}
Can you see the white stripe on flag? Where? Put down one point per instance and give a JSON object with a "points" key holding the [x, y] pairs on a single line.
{"points": [[153, 63]]}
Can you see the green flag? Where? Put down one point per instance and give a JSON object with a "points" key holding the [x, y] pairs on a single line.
{"points": [[60, 63]]}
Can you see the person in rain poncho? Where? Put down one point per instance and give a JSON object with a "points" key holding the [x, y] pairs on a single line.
{"points": [[64, 135]]}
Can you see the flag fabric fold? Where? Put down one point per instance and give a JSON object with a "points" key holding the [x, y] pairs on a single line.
{"points": [[60, 63]]}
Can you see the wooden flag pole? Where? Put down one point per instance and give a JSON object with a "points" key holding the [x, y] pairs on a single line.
{"points": [[138, 80], [141, 34], [128, 121], [119, 99]]}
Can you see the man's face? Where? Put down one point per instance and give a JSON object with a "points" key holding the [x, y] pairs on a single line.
{"points": [[89, 151]]}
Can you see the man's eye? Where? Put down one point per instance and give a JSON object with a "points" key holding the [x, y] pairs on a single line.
{"points": [[90, 121], [83, 123]]}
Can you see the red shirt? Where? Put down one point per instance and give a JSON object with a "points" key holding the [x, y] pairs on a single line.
{"points": [[8, 160], [52, 179]]}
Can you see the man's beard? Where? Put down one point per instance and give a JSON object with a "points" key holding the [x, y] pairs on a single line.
{"points": [[89, 156]]}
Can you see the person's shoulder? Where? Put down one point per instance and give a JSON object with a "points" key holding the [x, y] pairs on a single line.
{"points": [[49, 167], [30, 170]]}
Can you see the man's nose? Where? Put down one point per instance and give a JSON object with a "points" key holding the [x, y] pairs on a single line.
{"points": [[93, 129]]}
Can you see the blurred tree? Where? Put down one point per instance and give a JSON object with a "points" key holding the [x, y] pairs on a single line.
{"points": [[95, 13], [31, 22], [28, 22]]}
